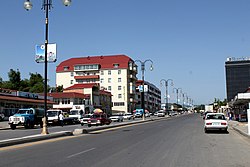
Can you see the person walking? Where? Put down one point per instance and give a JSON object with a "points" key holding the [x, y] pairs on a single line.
{"points": [[61, 119]]}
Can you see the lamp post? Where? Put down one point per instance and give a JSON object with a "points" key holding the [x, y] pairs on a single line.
{"points": [[46, 6], [183, 97], [142, 92], [177, 93], [166, 85]]}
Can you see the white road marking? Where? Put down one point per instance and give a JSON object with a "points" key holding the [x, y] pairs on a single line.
{"points": [[73, 155]]}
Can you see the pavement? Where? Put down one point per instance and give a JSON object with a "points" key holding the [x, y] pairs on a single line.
{"points": [[241, 127]]}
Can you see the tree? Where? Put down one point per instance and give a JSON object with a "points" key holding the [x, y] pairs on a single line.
{"points": [[36, 83], [14, 79]]}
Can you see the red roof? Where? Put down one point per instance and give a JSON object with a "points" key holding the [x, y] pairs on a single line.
{"points": [[105, 62], [69, 95], [82, 86]]}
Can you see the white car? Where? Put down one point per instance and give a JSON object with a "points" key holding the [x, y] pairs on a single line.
{"points": [[215, 121], [161, 114], [128, 116], [116, 118], [85, 118]]}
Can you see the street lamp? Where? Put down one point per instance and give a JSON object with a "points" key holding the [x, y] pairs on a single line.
{"points": [[183, 98], [177, 93], [166, 85], [142, 92], [46, 6]]}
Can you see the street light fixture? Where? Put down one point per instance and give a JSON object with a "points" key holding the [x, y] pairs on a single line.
{"points": [[142, 92], [166, 85], [177, 93], [46, 6], [183, 98]]}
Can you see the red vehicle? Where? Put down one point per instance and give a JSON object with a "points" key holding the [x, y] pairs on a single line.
{"points": [[99, 119]]}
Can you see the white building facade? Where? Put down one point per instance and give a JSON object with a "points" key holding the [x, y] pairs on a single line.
{"points": [[115, 74]]}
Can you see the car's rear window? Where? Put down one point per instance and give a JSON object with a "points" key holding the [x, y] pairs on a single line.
{"points": [[216, 116]]}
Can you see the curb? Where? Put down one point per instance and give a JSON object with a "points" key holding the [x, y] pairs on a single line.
{"points": [[241, 132], [33, 138]]}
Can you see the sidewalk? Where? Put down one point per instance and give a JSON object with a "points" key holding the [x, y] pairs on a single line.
{"points": [[4, 125], [241, 127]]}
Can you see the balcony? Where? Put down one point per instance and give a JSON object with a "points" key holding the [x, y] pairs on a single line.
{"points": [[87, 77]]}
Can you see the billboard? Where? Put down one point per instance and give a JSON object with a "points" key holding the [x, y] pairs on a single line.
{"points": [[51, 53]]}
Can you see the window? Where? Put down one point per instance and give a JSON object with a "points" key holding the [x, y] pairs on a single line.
{"points": [[109, 72], [119, 71], [109, 80], [71, 81], [65, 68], [57, 101], [118, 104], [72, 74], [119, 87], [86, 67], [101, 80], [119, 80], [119, 96], [65, 101], [116, 65], [109, 88], [102, 73]]}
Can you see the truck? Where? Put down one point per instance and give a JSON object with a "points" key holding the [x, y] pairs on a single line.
{"points": [[27, 117], [77, 111], [53, 117]]}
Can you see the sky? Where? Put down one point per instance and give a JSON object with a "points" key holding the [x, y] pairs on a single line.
{"points": [[187, 40]]}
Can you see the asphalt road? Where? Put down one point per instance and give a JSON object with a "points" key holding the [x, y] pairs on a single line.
{"points": [[178, 142], [21, 132]]}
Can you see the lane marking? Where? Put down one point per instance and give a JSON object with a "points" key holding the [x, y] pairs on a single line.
{"points": [[73, 155]]}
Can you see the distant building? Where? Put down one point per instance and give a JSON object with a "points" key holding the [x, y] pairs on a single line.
{"points": [[115, 74], [12, 100], [152, 96], [88, 95], [237, 76]]}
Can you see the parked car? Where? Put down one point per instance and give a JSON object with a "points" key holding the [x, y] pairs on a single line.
{"points": [[215, 121], [99, 119], [85, 118], [147, 114], [173, 113], [116, 118], [155, 114], [161, 114], [128, 116]]}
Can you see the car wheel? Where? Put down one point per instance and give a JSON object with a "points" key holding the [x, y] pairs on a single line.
{"points": [[205, 130], [13, 127], [89, 125], [82, 124]]}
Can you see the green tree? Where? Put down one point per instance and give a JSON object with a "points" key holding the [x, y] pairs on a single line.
{"points": [[36, 84], [14, 79]]}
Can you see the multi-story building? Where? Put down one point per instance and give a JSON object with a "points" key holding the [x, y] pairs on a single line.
{"points": [[88, 95], [152, 96], [237, 76], [115, 73]]}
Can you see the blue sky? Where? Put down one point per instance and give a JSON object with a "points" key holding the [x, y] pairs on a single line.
{"points": [[188, 40]]}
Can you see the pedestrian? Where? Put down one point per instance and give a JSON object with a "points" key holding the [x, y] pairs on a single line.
{"points": [[61, 119]]}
